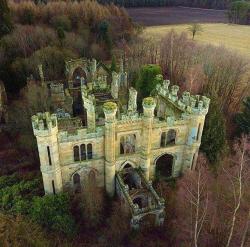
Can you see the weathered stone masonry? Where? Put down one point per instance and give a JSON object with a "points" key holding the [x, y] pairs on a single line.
{"points": [[167, 133]]}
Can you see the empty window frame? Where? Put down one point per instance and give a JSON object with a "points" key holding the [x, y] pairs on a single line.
{"points": [[168, 138], [76, 153], [81, 153], [49, 155]]}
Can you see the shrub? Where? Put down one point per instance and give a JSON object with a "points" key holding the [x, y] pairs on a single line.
{"points": [[52, 211], [24, 190], [6, 181]]}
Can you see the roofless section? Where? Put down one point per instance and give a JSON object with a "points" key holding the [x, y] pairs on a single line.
{"points": [[139, 197]]}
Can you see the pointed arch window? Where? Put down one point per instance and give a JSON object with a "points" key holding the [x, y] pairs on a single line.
{"points": [[89, 151], [76, 153], [83, 152], [77, 182]]}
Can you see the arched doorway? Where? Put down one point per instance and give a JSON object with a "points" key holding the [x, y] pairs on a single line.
{"points": [[77, 182], [164, 166], [77, 75]]}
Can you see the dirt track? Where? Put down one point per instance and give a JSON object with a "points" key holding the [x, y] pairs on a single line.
{"points": [[177, 15]]}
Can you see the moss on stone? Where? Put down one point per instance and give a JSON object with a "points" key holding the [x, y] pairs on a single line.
{"points": [[149, 101], [110, 106]]}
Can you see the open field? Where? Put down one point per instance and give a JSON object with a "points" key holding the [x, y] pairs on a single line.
{"points": [[217, 31], [235, 37], [176, 15]]}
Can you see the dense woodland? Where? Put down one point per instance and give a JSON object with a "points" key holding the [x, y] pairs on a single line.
{"points": [[214, 209]]}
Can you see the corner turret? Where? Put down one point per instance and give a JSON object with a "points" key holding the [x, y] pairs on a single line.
{"points": [[44, 124], [46, 130]]}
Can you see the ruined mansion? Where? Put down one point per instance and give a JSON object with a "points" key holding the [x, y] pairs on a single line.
{"points": [[98, 132]]}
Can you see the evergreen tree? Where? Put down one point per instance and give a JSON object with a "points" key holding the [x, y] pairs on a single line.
{"points": [[113, 64], [147, 79], [104, 34], [214, 134], [6, 24], [242, 119]]}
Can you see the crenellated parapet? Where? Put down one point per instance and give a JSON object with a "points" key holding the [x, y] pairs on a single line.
{"points": [[187, 103], [44, 124]]}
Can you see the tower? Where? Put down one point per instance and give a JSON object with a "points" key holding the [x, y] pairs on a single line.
{"points": [[198, 109], [45, 129], [148, 118], [110, 110], [89, 105]]}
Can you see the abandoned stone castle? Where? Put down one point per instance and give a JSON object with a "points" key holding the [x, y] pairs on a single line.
{"points": [[96, 132]]}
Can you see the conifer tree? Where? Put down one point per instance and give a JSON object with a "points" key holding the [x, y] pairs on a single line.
{"points": [[242, 119], [214, 134], [113, 64]]}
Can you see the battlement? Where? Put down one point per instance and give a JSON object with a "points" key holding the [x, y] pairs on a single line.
{"points": [[187, 103], [44, 123]]}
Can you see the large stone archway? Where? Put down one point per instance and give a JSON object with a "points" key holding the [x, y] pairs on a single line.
{"points": [[77, 76], [73, 65], [164, 165]]}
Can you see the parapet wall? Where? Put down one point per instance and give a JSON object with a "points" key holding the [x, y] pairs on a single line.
{"points": [[189, 104], [44, 124]]}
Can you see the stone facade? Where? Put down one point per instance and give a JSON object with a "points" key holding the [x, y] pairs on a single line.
{"points": [[163, 139]]}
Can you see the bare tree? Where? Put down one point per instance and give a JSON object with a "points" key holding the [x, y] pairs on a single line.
{"points": [[195, 28], [194, 191], [245, 232], [91, 203], [237, 178], [34, 98]]}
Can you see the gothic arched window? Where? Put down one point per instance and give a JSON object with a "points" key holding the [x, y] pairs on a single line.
{"points": [[77, 182], [92, 178], [76, 153], [89, 151], [83, 152]]}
